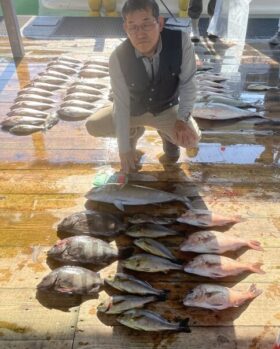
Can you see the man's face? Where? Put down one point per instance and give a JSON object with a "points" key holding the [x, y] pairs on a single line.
{"points": [[143, 30]]}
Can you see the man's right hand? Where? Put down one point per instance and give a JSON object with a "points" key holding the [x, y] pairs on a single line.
{"points": [[128, 161]]}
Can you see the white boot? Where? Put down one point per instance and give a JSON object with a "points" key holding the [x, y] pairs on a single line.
{"points": [[195, 35]]}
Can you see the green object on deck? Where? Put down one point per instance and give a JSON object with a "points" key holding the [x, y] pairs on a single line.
{"points": [[103, 178]]}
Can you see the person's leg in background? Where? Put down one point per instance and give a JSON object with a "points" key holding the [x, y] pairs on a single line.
{"points": [[194, 11], [211, 10], [275, 39]]}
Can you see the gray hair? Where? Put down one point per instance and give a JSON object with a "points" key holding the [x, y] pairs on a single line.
{"points": [[136, 5]]}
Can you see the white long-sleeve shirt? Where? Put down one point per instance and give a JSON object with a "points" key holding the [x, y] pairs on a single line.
{"points": [[187, 88]]}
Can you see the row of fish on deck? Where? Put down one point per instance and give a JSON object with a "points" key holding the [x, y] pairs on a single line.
{"points": [[69, 89], [87, 246], [72, 89]]}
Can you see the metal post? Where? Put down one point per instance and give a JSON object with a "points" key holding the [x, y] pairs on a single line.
{"points": [[12, 28]]}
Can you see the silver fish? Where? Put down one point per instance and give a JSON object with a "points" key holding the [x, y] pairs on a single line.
{"points": [[69, 59], [218, 297], [154, 247], [96, 66], [31, 105], [25, 130], [86, 249], [207, 241], [44, 86], [77, 103], [73, 113], [71, 280], [229, 101], [50, 79], [260, 87], [20, 120], [82, 96], [205, 82], [128, 194], [84, 89], [92, 73], [219, 111], [214, 89], [130, 284], [36, 90], [205, 218], [118, 304], [150, 264], [95, 83], [55, 74], [64, 62], [35, 98], [146, 320], [215, 266], [102, 62], [28, 112], [211, 77], [62, 68], [92, 223], [150, 230]]}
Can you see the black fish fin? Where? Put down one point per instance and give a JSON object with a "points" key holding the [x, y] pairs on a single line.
{"points": [[162, 296], [184, 325], [126, 252]]}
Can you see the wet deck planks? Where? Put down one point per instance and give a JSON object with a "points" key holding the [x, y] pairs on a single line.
{"points": [[44, 178]]}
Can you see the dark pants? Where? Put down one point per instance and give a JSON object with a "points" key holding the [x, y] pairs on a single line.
{"points": [[195, 8]]}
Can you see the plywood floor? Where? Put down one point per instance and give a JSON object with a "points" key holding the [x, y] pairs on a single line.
{"points": [[43, 178]]}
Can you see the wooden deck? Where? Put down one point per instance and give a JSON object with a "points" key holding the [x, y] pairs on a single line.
{"points": [[44, 178]]}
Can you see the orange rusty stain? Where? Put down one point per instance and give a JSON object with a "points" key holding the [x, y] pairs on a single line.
{"points": [[37, 267], [273, 291], [256, 342], [21, 265], [5, 274], [277, 316]]}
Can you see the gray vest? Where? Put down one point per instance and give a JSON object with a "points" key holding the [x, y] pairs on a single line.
{"points": [[161, 93]]}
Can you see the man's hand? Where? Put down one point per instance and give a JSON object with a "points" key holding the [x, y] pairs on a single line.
{"points": [[185, 135], [128, 161]]}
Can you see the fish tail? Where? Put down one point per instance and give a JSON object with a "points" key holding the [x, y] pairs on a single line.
{"points": [[254, 291], [255, 245], [126, 252], [256, 268], [161, 297], [184, 325], [187, 202]]}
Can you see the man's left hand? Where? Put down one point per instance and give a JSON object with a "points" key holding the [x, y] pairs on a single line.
{"points": [[185, 135]]}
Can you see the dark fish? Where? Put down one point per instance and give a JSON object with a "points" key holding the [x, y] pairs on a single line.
{"points": [[146, 320], [120, 195], [130, 284], [118, 304], [150, 264], [86, 249], [149, 230], [92, 223], [71, 280]]}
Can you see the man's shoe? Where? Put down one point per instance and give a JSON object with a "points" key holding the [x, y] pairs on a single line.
{"points": [[171, 151], [275, 39], [195, 35], [212, 37]]}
